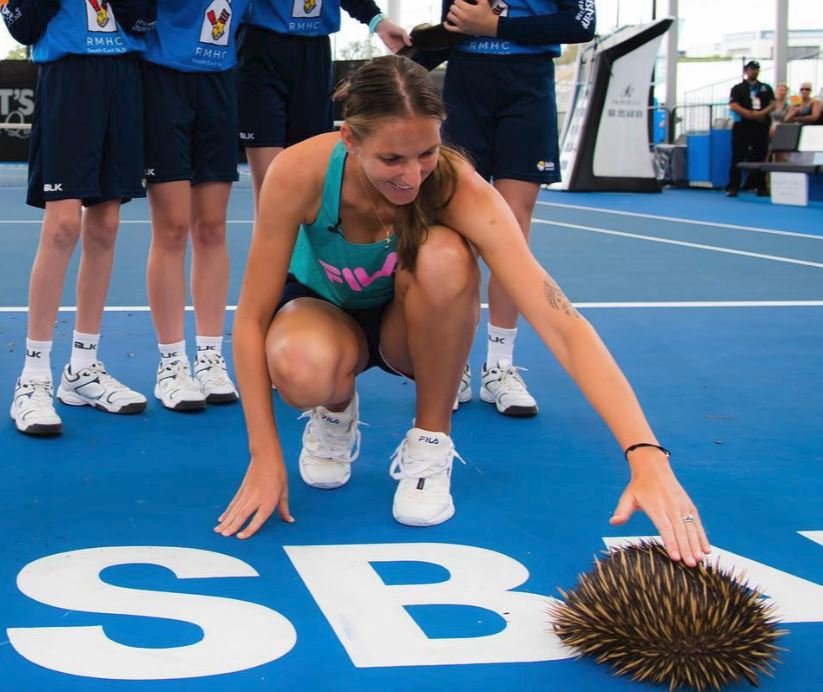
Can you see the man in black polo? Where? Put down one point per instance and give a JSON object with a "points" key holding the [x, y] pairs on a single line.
{"points": [[751, 101]]}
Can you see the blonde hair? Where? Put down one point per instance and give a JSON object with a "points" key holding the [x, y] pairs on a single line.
{"points": [[391, 87]]}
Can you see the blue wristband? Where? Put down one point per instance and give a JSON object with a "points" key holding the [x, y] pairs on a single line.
{"points": [[375, 21]]}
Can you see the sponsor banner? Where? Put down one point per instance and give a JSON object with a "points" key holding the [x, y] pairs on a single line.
{"points": [[17, 83]]}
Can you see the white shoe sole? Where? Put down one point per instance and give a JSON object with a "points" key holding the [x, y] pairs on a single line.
{"points": [[445, 515], [222, 398], [37, 429], [70, 398], [183, 405], [513, 411], [324, 485]]}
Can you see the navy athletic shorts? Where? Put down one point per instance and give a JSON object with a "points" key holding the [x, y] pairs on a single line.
{"points": [[190, 125], [502, 113], [368, 320], [283, 87], [87, 131]]}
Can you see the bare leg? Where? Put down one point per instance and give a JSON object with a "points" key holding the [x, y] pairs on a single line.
{"points": [[314, 352], [521, 197], [170, 205], [58, 238], [210, 257], [260, 159], [428, 329], [99, 233]]}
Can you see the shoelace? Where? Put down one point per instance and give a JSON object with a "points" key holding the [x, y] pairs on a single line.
{"points": [[329, 439], [107, 380], [216, 369], [41, 392], [423, 468], [182, 377], [510, 380]]}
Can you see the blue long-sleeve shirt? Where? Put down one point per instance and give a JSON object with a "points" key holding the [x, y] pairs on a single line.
{"points": [[309, 18], [56, 28], [191, 37], [533, 26]]}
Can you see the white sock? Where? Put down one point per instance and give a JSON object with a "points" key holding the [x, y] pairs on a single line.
{"points": [[38, 359], [172, 352], [83, 350], [500, 346], [210, 343]]}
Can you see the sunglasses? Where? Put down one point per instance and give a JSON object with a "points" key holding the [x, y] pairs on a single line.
{"points": [[805, 88]]}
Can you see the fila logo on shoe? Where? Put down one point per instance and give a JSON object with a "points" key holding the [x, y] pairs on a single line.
{"points": [[329, 419], [428, 440], [53, 187]]}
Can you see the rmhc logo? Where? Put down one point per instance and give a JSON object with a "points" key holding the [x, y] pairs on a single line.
{"points": [[368, 616]]}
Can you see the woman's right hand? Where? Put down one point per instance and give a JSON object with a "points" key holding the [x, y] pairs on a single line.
{"points": [[264, 489]]}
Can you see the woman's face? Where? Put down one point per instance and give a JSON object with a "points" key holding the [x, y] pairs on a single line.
{"points": [[398, 156], [782, 91]]}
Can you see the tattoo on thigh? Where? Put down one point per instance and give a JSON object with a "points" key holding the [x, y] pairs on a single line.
{"points": [[557, 298]]}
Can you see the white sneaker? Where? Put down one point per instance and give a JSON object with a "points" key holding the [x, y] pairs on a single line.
{"points": [[331, 442], [504, 387], [32, 408], [464, 391], [177, 389], [210, 371], [423, 465], [93, 386]]}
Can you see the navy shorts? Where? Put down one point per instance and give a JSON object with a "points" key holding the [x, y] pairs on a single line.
{"points": [[190, 125], [87, 131], [283, 87], [502, 113], [368, 320]]}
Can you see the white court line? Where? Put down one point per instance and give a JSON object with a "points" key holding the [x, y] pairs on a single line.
{"points": [[484, 306], [752, 229], [683, 243]]}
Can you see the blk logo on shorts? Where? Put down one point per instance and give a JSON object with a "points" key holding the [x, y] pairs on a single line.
{"points": [[53, 187]]}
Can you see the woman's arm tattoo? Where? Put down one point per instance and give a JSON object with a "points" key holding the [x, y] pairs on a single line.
{"points": [[557, 298]]}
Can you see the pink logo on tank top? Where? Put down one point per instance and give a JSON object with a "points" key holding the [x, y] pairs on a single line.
{"points": [[358, 278]]}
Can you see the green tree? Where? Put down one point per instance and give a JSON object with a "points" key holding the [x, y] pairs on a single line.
{"points": [[18, 53], [360, 50]]}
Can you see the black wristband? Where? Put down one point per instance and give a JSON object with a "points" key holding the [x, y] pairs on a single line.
{"points": [[631, 448]]}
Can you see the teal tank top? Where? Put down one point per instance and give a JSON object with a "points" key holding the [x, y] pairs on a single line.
{"points": [[353, 276]]}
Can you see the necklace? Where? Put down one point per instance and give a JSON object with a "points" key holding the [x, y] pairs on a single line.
{"points": [[385, 226]]}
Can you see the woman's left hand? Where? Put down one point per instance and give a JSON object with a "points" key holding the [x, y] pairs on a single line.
{"points": [[655, 490], [394, 37]]}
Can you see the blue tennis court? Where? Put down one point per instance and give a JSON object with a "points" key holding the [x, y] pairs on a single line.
{"points": [[112, 579]]}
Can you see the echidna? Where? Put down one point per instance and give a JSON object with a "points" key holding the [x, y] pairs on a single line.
{"points": [[662, 622]]}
